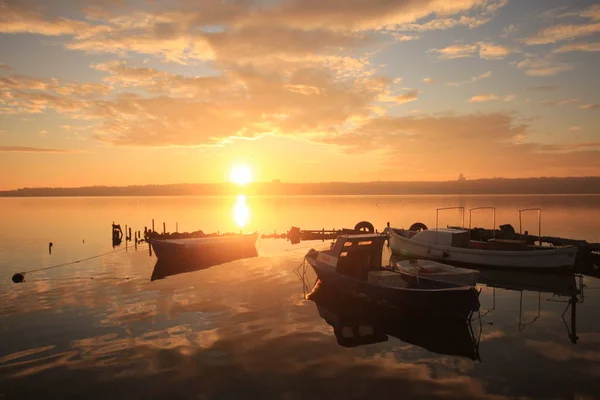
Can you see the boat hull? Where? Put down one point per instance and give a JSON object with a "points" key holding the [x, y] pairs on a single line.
{"points": [[204, 249], [563, 257], [451, 303]]}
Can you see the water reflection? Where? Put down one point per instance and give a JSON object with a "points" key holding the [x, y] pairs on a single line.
{"points": [[356, 323], [163, 268], [241, 212]]}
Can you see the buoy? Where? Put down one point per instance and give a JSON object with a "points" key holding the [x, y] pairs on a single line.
{"points": [[18, 277]]}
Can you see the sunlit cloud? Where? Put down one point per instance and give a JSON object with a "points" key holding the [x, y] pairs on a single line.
{"points": [[485, 50], [491, 51], [476, 138], [431, 81], [575, 128], [483, 97], [543, 88], [25, 149], [589, 106], [473, 79], [539, 65], [562, 32], [584, 47], [456, 51], [560, 102], [407, 97]]}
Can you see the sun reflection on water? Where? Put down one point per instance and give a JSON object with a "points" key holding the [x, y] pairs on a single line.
{"points": [[241, 212]]}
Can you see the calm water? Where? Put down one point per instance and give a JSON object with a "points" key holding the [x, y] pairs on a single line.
{"points": [[102, 328]]}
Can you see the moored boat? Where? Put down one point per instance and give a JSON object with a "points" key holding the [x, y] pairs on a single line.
{"points": [[354, 266], [199, 249], [456, 245]]}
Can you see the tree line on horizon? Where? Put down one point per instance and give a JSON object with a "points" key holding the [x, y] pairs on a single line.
{"points": [[583, 185]]}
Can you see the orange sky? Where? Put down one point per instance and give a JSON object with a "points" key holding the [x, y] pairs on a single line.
{"points": [[132, 92]]}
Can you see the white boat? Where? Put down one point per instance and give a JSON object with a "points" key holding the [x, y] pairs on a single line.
{"points": [[427, 269], [455, 246]]}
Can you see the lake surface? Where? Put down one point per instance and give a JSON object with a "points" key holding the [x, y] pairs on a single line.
{"points": [[102, 328]]}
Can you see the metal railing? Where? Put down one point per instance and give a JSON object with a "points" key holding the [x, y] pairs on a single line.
{"points": [[539, 212], [437, 217], [483, 208]]}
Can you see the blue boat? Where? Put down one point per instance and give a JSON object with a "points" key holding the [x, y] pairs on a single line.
{"points": [[353, 266]]}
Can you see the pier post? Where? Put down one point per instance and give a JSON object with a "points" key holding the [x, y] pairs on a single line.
{"points": [[176, 226], [152, 224], [164, 228]]}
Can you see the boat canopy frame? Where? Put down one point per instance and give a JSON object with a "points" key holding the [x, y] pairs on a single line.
{"points": [[437, 218], [539, 215], [493, 217]]}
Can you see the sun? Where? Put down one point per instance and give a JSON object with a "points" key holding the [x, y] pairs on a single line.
{"points": [[241, 174]]}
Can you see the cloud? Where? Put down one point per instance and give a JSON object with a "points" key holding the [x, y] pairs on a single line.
{"points": [[479, 15], [509, 31], [24, 149], [491, 51], [356, 15], [543, 88], [401, 37], [560, 102], [485, 50], [5, 67], [483, 97], [589, 106], [190, 31], [536, 65], [509, 97], [575, 128], [19, 18], [473, 79], [455, 51], [592, 12], [585, 47], [407, 97], [431, 81], [468, 142], [562, 32], [244, 102]]}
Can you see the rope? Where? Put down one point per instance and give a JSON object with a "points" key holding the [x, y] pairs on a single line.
{"points": [[72, 262]]}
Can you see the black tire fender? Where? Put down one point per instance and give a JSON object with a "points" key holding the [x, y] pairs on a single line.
{"points": [[418, 226], [364, 226]]}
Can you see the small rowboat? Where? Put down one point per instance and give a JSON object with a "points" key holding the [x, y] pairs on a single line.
{"points": [[202, 248], [426, 269]]}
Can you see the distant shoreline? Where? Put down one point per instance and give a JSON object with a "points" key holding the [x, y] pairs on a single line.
{"points": [[496, 186]]}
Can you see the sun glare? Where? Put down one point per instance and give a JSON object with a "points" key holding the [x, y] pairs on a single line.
{"points": [[241, 174], [241, 213]]}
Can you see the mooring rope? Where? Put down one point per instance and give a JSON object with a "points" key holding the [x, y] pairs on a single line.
{"points": [[20, 276]]}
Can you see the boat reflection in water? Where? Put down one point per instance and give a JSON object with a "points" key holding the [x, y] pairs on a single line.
{"points": [[167, 267], [565, 287], [558, 286], [357, 323]]}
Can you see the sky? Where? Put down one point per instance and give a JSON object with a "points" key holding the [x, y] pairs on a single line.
{"points": [[121, 92]]}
